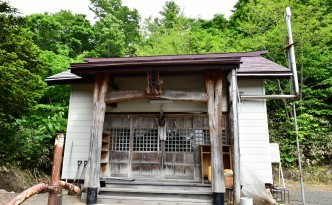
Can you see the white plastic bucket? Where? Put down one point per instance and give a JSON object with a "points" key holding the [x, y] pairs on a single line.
{"points": [[246, 201]]}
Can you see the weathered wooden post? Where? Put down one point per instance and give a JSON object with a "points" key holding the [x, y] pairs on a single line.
{"points": [[92, 178], [236, 142], [213, 82], [56, 167]]}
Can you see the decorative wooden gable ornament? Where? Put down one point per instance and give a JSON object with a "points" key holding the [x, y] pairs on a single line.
{"points": [[154, 86]]}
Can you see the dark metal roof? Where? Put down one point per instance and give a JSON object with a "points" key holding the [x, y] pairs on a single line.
{"points": [[250, 64], [65, 77], [261, 67], [173, 58]]}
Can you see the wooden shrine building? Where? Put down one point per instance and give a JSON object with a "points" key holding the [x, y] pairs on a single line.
{"points": [[166, 119]]}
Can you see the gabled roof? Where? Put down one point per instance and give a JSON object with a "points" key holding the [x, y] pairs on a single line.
{"points": [[250, 64]]}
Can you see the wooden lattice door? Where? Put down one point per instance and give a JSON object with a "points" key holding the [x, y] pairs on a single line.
{"points": [[141, 148]]}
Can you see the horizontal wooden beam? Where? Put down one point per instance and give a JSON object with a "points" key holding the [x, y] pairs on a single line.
{"points": [[120, 96]]}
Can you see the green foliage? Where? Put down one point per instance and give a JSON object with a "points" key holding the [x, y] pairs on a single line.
{"points": [[62, 30], [261, 27], [55, 95], [27, 128], [32, 139], [126, 20], [110, 40], [20, 84], [170, 13]]}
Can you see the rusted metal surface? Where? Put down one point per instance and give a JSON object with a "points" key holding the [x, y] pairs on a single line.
{"points": [[42, 187], [27, 194], [56, 166], [69, 187]]}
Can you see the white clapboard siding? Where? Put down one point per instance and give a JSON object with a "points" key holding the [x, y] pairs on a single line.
{"points": [[78, 130], [179, 83], [253, 129]]}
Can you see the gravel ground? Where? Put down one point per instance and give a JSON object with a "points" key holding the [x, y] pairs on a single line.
{"points": [[313, 196], [318, 195]]}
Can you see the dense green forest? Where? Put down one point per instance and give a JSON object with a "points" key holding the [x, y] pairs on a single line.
{"points": [[39, 45]]}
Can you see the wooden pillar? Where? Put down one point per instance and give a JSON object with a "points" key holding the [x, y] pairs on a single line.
{"points": [[236, 142], [213, 83], [92, 178]]}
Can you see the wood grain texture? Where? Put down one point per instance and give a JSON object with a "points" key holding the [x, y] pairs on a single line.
{"points": [[213, 82], [121, 96], [99, 91]]}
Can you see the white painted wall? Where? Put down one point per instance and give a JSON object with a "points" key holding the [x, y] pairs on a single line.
{"points": [[78, 130], [254, 134]]}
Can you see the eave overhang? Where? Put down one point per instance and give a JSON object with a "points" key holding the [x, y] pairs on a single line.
{"points": [[249, 65]]}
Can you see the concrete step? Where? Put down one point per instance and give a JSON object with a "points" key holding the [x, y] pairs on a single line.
{"points": [[160, 186], [149, 180], [129, 200], [158, 192], [166, 193]]}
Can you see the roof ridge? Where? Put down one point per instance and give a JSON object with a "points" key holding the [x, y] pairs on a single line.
{"points": [[177, 57]]}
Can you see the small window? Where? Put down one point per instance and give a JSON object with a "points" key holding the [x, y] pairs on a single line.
{"points": [[120, 139], [146, 140], [202, 136], [179, 140]]}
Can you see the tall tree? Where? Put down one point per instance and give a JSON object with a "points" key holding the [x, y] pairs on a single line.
{"points": [[110, 39], [170, 14], [20, 84], [128, 20], [62, 30]]}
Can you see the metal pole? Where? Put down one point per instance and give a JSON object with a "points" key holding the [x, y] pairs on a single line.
{"points": [[236, 143], [291, 49], [292, 65], [298, 153], [56, 166], [267, 97]]}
